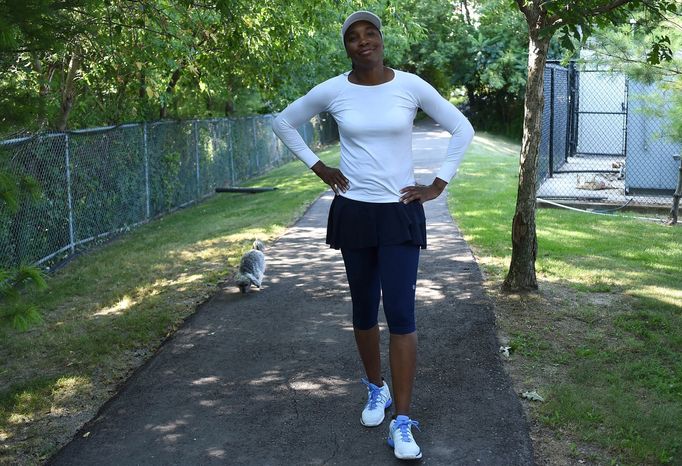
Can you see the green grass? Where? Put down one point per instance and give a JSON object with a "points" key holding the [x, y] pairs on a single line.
{"points": [[108, 310], [609, 318]]}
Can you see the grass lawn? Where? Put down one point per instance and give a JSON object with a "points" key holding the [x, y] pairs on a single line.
{"points": [[107, 311], [602, 340]]}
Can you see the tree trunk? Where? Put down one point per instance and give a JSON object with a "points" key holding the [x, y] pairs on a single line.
{"points": [[142, 90], [45, 80], [521, 275], [175, 77], [229, 107], [69, 92], [467, 14]]}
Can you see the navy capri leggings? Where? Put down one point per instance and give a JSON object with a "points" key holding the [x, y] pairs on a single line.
{"points": [[388, 271]]}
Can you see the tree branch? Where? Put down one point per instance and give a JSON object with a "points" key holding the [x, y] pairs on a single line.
{"points": [[624, 58], [97, 21], [524, 8], [69, 91], [663, 17], [557, 21], [612, 5]]}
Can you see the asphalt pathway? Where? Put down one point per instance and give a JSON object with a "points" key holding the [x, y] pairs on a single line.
{"points": [[272, 378]]}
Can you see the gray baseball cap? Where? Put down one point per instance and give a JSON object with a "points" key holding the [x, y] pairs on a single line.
{"points": [[360, 16]]}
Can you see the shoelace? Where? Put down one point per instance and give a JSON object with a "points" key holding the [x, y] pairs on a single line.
{"points": [[374, 393], [404, 426]]}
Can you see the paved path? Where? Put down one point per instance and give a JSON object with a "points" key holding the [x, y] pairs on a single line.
{"points": [[273, 377]]}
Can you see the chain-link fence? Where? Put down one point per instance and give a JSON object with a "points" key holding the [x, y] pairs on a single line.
{"points": [[604, 140], [97, 182]]}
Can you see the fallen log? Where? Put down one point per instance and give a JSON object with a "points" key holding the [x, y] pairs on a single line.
{"points": [[244, 190]]}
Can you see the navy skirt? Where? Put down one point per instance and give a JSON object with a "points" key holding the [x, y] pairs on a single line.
{"points": [[357, 224]]}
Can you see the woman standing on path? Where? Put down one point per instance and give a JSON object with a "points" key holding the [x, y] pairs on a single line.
{"points": [[377, 218]]}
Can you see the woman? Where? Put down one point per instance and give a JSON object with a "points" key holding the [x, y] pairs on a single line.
{"points": [[377, 219]]}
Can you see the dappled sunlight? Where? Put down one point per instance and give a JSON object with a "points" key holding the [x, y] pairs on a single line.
{"points": [[484, 213], [119, 308], [181, 279], [22, 414], [562, 235], [321, 387], [127, 304], [217, 453], [206, 381], [216, 247], [495, 263], [170, 427], [429, 290], [669, 296], [267, 378], [302, 267], [610, 274], [203, 253], [63, 400], [172, 438], [493, 144], [67, 388]]}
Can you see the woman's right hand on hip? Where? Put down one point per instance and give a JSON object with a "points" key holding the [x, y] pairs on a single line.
{"points": [[332, 176]]}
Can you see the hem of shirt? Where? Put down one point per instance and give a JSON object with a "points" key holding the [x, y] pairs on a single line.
{"points": [[383, 200]]}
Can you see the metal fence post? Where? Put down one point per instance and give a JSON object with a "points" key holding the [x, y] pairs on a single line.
{"points": [[569, 109], [275, 142], [231, 152], [624, 106], [196, 157], [146, 169], [72, 241], [255, 142], [551, 122]]}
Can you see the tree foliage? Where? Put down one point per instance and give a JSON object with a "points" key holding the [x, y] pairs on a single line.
{"points": [[77, 63], [121, 60]]}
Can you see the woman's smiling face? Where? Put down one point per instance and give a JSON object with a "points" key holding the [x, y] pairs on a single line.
{"points": [[364, 43]]}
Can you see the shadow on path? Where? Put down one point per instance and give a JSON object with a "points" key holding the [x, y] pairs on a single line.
{"points": [[273, 377]]}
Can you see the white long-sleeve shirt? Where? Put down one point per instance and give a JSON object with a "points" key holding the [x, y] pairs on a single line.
{"points": [[375, 130]]}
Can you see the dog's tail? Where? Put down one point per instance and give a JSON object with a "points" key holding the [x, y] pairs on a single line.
{"points": [[258, 245], [254, 280]]}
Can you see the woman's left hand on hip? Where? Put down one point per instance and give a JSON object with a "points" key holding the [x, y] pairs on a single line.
{"points": [[422, 193]]}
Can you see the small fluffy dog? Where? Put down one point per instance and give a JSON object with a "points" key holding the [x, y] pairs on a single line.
{"points": [[251, 268]]}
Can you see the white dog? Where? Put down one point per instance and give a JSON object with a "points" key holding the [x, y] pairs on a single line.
{"points": [[251, 268]]}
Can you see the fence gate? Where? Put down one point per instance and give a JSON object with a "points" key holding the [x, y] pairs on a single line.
{"points": [[605, 139], [601, 118]]}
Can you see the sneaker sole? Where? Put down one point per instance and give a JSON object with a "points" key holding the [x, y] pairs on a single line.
{"points": [[418, 456], [388, 405]]}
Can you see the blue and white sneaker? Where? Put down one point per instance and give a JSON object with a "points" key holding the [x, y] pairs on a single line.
{"points": [[378, 399], [401, 439]]}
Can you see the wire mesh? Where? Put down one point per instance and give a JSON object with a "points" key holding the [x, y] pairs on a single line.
{"points": [[107, 176], [650, 165], [605, 140], [39, 227], [101, 181]]}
